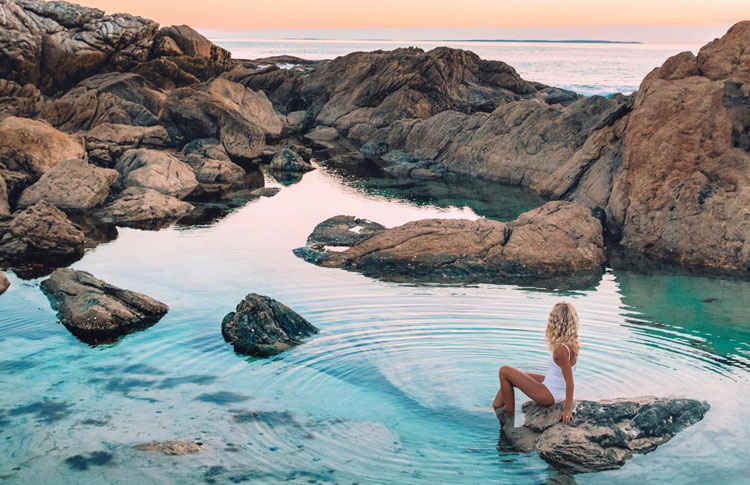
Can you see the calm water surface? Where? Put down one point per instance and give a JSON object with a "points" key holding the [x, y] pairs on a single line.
{"points": [[585, 68], [395, 389]]}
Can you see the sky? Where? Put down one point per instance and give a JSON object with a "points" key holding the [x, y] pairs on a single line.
{"points": [[653, 21]]}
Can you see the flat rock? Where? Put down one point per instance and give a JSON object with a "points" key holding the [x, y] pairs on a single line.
{"points": [[157, 170], [34, 146], [95, 311], [343, 231], [603, 434], [557, 241], [72, 185], [41, 233], [4, 283], [143, 208], [171, 447], [261, 326]]}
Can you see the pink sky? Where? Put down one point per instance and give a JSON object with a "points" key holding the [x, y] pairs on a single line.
{"points": [[232, 15]]}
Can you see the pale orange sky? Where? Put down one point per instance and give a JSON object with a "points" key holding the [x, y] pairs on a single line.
{"points": [[234, 15]]}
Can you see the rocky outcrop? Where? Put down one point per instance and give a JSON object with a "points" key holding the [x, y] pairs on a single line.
{"points": [[72, 185], [343, 231], [143, 208], [41, 234], [157, 170], [559, 240], [603, 434], [261, 326], [4, 200], [33, 146], [684, 192], [171, 447], [95, 311], [4, 283], [56, 44]]}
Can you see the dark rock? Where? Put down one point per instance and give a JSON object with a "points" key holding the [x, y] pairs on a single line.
{"points": [[143, 208], [171, 447], [557, 240], [343, 231], [97, 312], [41, 234], [286, 160], [261, 326], [603, 434], [206, 148], [72, 185]]}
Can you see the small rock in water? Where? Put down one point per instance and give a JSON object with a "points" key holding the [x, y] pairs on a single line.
{"points": [[603, 434], [262, 326], [287, 160], [171, 447], [97, 312]]}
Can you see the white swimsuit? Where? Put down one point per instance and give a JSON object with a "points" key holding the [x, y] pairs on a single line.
{"points": [[554, 380]]}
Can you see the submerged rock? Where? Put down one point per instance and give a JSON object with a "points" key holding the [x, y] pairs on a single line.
{"points": [[4, 283], [97, 312], [143, 208], [261, 326], [41, 234], [559, 239], [72, 185], [603, 434], [171, 447]]}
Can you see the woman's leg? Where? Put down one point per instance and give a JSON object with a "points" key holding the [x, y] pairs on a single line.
{"points": [[537, 377], [511, 378]]}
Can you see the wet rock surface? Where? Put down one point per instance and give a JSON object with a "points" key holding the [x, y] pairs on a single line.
{"points": [[261, 326], [97, 312], [603, 434], [558, 239]]}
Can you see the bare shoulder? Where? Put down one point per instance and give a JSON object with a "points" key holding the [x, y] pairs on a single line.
{"points": [[561, 355]]}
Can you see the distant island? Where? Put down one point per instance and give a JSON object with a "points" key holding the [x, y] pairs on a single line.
{"points": [[523, 41]]}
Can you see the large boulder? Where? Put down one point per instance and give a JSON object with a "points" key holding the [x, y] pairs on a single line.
{"points": [[239, 117], [72, 185], [97, 312], [4, 283], [603, 434], [261, 326], [41, 233], [157, 170], [684, 192], [553, 243], [33, 146], [143, 208]]}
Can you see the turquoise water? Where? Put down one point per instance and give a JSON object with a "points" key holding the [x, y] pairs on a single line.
{"points": [[585, 68], [395, 389]]}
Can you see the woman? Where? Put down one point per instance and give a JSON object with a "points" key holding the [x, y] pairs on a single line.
{"points": [[557, 385]]}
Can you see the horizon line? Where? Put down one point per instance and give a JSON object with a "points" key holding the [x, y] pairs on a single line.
{"points": [[527, 41]]}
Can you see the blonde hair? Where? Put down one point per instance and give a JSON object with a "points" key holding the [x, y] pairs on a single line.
{"points": [[562, 327]]}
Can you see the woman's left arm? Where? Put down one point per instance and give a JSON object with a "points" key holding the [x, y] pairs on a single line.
{"points": [[563, 360]]}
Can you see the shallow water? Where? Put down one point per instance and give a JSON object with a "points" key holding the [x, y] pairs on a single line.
{"points": [[396, 387], [585, 68]]}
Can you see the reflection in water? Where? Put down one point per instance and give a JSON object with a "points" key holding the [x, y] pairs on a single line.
{"points": [[395, 389]]}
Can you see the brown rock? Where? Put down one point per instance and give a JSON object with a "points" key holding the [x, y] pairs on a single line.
{"points": [[4, 204], [41, 233], [106, 142], [4, 283], [557, 239], [157, 170], [97, 312], [143, 208], [72, 185], [34, 146]]}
